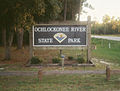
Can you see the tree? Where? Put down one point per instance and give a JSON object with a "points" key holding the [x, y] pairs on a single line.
{"points": [[106, 19], [52, 10], [24, 20], [10, 18], [20, 15], [7, 23], [74, 7]]}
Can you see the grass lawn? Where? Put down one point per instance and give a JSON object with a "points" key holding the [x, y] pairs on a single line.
{"points": [[104, 52], [60, 83]]}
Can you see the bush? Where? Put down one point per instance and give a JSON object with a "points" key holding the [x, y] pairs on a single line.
{"points": [[70, 58], [80, 59], [36, 60], [56, 60]]}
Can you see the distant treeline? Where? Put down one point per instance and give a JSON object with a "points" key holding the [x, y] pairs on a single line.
{"points": [[109, 26]]}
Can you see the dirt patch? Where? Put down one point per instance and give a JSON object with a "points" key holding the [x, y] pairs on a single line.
{"points": [[17, 56]]}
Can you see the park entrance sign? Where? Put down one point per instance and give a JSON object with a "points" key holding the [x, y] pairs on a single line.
{"points": [[59, 35]]}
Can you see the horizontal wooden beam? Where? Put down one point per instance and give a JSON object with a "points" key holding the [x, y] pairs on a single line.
{"points": [[115, 71], [64, 47]]}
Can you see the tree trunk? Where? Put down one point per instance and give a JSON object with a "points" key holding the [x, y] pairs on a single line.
{"points": [[65, 9], [8, 44], [20, 38], [4, 37], [73, 15], [30, 44], [5, 45], [11, 38], [80, 10], [7, 53]]}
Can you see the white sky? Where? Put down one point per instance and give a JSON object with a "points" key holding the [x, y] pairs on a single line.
{"points": [[101, 8]]}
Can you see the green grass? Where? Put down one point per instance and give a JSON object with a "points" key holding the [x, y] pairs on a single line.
{"points": [[104, 52], [36, 69], [60, 83]]}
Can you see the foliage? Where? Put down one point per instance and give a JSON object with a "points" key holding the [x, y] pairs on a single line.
{"points": [[36, 60], [80, 59], [106, 19], [109, 26], [70, 57], [52, 9], [56, 60]]}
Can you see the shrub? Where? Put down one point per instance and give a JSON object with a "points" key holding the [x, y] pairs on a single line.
{"points": [[36, 60], [56, 60], [80, 59], [70, 57]]}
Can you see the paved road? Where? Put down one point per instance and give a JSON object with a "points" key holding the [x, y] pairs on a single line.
{"points": [[32, 73], [107, 37]]}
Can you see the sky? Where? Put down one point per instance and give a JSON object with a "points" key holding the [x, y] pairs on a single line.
{"points": [[101, 8]]}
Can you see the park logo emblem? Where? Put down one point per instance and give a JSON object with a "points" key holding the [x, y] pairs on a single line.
{"points": [[60, 37]]}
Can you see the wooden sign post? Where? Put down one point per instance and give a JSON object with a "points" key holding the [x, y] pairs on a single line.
{"points": [[89, 40]]}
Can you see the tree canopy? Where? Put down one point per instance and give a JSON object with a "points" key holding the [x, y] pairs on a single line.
{"points": [[16, 12]]}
